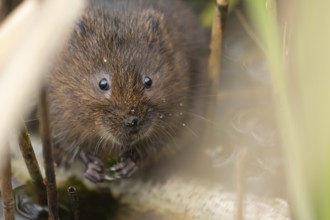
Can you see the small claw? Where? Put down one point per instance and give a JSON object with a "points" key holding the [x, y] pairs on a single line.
{"points": [[128, 168], [94, 172], [124, 169], [132, 171], [109, 178], [94, 168], [118, 166]]}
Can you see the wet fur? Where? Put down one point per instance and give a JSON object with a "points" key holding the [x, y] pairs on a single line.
{"points": [[123, 41]]}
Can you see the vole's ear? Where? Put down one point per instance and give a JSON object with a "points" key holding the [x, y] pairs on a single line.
{"points": [[156, 29]]}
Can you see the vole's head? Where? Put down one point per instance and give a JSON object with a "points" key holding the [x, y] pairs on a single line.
{"points": [[121, 80]]}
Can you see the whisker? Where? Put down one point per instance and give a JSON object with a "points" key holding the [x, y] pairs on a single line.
{"points": [[165, 131], [184, 125], [200, 117]]}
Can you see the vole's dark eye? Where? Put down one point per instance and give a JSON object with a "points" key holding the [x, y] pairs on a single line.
{"points": [[147, 82], [104, 84]]}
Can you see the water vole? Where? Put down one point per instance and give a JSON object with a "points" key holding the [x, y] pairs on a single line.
{"points": [[129, 84]]}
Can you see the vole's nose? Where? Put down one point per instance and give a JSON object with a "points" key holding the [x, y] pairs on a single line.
{"points": [[131, 121]]}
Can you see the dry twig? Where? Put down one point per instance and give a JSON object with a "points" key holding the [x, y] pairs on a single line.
{"points": [[8, 200], [219, 20], [215, 59], [47, 149], [32, 165], [74, 202]]}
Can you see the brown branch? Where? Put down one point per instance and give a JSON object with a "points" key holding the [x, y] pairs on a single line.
{"points": [[47, 145], [222, 7], [8, 201], [74, 202], [32, 165], [216, 41], [215, 60]]}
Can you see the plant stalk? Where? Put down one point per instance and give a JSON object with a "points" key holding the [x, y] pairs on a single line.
{"points": [[8, 201], [47, 145], [32, 165], [74, 202]]}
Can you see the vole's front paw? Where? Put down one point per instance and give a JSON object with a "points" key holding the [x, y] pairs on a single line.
{"points": [[95, 170], [125, 168]]}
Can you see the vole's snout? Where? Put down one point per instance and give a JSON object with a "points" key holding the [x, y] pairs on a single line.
{"points": [[132, 121]]}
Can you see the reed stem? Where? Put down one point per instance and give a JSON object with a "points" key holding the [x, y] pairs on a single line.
{"points": [[47, 145], [32, 165], [74, 202], [218, 24], [8, 201]]}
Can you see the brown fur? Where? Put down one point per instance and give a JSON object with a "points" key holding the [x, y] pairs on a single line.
{"points": [[123, 41]]}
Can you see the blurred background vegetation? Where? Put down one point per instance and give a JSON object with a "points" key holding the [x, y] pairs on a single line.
{"points": [[294, 38]]}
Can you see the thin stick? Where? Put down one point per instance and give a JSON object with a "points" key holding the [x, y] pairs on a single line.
{"points": [[215, 59], [32, 165], [216, 40], [240, 181], [74, 202], [47, 145], [8, 200]]}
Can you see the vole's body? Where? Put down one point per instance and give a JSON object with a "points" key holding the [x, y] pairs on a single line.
{"points": [[127, 43]]}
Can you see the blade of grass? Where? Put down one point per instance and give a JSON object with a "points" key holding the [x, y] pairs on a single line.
{"points": [[263, 14], [310, 48], [33, 52]]}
